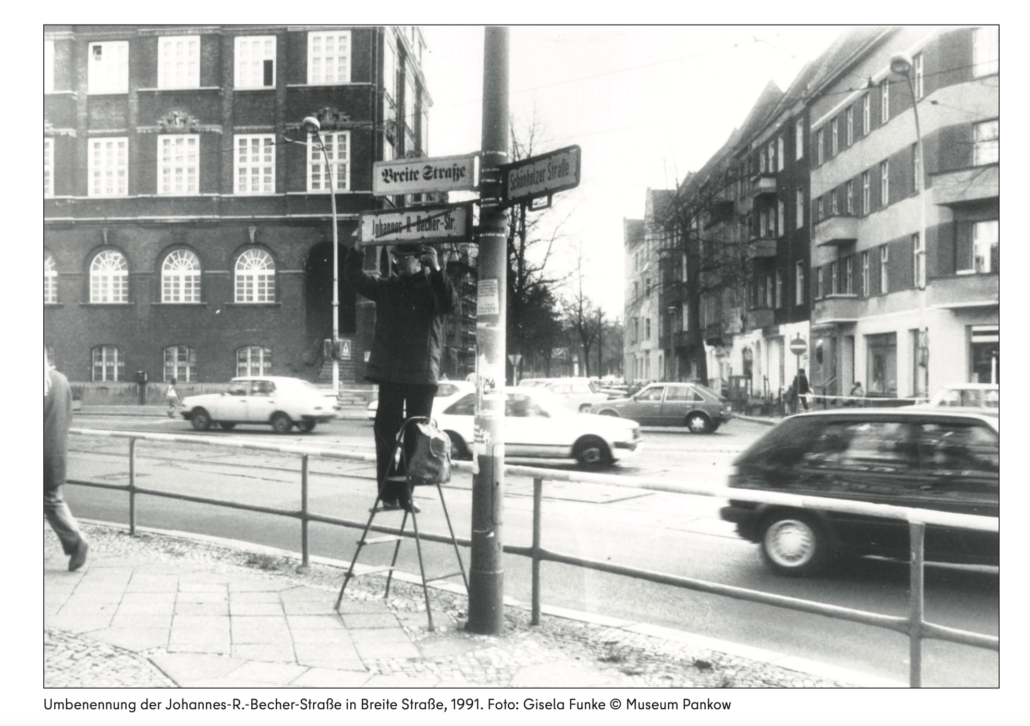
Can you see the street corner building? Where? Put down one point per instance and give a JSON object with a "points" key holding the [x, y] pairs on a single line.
{"points": [[855, 214], [187, 212]]}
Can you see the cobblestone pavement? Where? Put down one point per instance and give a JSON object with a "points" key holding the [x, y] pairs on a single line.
{"points": [[560, 651]]}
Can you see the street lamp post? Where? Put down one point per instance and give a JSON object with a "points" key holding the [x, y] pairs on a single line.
{"points": [[901, 64]]}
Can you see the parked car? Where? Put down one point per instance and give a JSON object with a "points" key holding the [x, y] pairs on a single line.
{"points": [[276, 400], [576, 394], [967, 395], [700, 409], [941, 459], [537, 425], [446, 392]]}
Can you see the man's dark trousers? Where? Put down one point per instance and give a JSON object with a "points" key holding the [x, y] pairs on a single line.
{"points": [[390, 415]]}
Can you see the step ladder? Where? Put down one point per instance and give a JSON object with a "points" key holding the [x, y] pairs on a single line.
{"points": [[394, 475]]}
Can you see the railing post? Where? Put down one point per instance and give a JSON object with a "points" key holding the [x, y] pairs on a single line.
{"points": [[132, 487], [916, 535], [305, 564], [538, 495]]}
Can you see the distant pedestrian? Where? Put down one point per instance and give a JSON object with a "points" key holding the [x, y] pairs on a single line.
{"points": [[57, 418], [172, 397], [856, 392], [801, 389]]}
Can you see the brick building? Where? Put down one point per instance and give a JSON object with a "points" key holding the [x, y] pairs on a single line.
{"points": [[183, 236]]}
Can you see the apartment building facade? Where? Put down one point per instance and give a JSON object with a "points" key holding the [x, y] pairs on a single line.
{"points": [[185, 235], [642, 239]]}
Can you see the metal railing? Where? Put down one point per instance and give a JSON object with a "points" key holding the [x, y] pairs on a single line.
{"points": [[914, 625]]}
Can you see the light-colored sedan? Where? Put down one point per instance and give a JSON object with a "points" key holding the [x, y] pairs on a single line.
{"points": [[537, 425], [576, 394], [700, 409], [446, 393], [272, 400]]}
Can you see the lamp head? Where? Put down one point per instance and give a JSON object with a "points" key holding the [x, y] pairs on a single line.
{"points": [[311, 125], [901, 63]]}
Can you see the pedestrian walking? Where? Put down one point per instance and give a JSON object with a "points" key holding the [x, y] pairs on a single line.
{"points": [[801, 389], [172, 397], [57, 418], [856, 392], [406, 347]]}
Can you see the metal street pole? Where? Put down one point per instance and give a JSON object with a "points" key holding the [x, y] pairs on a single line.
{"points": [[486, 571], [336, 255]]}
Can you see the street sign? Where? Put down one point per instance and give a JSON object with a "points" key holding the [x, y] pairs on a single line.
{"points": [[417, 224], [799, 346], [419, 176], [541, 176]]}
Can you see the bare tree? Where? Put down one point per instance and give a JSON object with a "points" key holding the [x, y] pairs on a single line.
{"points": [[583, 317]]}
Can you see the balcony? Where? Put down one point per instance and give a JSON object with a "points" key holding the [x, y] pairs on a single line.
{"points": [[761, 247], [835, 309], [966, 185], [763, 184], [679, 339], [836, 231], [963, 292], [759, 318]]}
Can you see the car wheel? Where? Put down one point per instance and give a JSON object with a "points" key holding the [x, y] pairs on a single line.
{"points": [[281, 423], [200, 419], [793, 544], [592, 453], [459, 450], [306, 426], [698, 423], [585, 408], [228, 426]]}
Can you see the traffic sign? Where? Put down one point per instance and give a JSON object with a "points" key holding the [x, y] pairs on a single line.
{"points": [[417, 224], [799, 346], [419, 176], [541, 176]]}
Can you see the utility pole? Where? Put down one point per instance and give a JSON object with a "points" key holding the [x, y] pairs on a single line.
{"points": [[486, 572]]}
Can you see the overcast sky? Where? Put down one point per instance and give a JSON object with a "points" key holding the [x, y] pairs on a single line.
{"points": [[646, 104]]}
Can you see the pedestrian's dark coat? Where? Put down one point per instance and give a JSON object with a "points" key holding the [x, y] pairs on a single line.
{"points": [[57, 419]]}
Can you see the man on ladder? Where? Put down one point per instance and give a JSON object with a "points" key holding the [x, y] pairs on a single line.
{"points": [[406, 348]]}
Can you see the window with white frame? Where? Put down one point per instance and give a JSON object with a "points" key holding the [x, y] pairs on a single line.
{"points": [[49, 279], [918, 262], [48, 167], [108, 167], [178, 164], [255, 61], [255, 277], [884, 286], [985, 51], [917, 177], [180, 277], [108, 365], [48, 66], [885, 101], [254, 163], [849, 197], [884, 184], [799, 139], [781, 218], [849, 275], [108, 67], [180, 363], [819, 146], [917, 65], [865, 193], [865, 274], [849, 126], [834, 136], [833, 202], [109, 278], [834, 278], [253, 361], [985, 246], [799, 202], [780, 156], [818, 282], [985, 143], [799, 283], [778, 300], [178, 62], [337, 148], [867, 121], [329, 57]]}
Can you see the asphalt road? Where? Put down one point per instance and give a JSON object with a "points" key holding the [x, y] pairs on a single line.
{"points": [[663, 532]]}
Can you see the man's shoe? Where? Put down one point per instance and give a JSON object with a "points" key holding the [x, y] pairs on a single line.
{"points": [[390, 505], [78, 558], [410, 507]]}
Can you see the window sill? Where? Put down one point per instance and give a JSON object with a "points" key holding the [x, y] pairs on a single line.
{"points": [[327, 85], [95, 94], [254, 305], [254, 88], [180, 304], [107, 305], [52, 305], [179, 88]]}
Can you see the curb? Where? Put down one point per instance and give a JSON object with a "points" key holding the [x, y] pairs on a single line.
{"points": [[740, 650]]}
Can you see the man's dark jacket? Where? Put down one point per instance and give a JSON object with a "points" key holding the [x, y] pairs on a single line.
{"points": [[409, 321], [57, 418]]}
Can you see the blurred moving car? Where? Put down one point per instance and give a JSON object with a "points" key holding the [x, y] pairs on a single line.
{"points": [[576, 394], [537, 425], [446, 392], [274, 400], [945, 460], [967, 395], [700, 409]]}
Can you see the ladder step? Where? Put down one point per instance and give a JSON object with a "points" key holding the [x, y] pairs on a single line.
{"points": [[444, 577], [381, 540]]}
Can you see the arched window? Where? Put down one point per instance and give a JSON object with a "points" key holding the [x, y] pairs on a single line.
{"points": [[180, 363], [254, 361], [49, 279], [255, 277], [109, 278], [180, 278], [107, 364]]}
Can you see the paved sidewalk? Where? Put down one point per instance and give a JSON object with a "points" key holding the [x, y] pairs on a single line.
{"points": [[163, 611]]}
